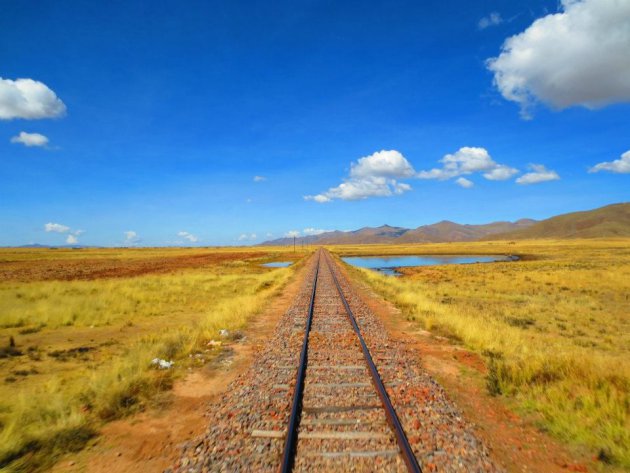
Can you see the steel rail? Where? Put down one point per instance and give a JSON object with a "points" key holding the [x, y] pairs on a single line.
{"points": [[290, 444], [390, 412], [294, 421]]}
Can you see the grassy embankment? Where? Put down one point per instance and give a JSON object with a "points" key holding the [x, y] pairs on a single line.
{"points": [[82, 346], [554, 328]]}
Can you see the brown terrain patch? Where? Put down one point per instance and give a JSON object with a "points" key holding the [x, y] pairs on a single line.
{"points": [[97, 268], [151, 441], [514, 441]]}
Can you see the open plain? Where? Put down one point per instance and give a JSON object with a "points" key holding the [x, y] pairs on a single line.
{"points": [[79, 329], [547, 336]]}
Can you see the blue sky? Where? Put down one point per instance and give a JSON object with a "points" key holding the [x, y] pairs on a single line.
{"points": [[155, 117]]}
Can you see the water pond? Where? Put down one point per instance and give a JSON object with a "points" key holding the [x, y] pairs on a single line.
{"points": [[278, 264], [388, 264]]}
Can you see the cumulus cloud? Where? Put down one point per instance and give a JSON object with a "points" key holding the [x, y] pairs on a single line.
{"points": [[28, 99], [576, 57], [71, 239], [247, 236], [371, 176], [500, 172], [30, 139], [465, 183], [538, 174], [56, 227], [292, 234], [131, 238], [492, 19], [621, 165], [314, 231], [188, 236], [390, 164], [259, 178], [469, 160]]}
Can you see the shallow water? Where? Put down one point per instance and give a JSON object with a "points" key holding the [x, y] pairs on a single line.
{"points": [[278, 264], [387, 264]]}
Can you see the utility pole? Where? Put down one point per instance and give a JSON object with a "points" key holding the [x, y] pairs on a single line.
{"points": [[294, 244]]}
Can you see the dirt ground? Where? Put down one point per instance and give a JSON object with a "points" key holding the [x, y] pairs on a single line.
{"points": [[88, 268], [151, 441]]}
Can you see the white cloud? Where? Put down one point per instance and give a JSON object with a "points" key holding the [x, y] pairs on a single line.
{"points": [[539, 174], [56, 227], [247, 236], [468, 160], [71, 239], [500, 173], [292, 234], [314, 231], [320, 198], [621, 165], [188, 236], [30, 139], [492, 19], [576, 57], [28, 99], [465, 183], [259, 178], [371, 176], [390, 164], [131, 238]]}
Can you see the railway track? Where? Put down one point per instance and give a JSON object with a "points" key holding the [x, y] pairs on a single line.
{"points": [[340, 407], [331, 391]]}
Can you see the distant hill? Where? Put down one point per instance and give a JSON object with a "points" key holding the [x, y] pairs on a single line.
{"points": [[451, 231], [610, 221], [438, 232]]}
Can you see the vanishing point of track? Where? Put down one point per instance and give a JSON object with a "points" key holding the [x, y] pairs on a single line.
{"points": [[331, 390], [291, 441]]}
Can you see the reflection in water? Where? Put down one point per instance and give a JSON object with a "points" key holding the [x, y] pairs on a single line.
{"points": [[387, 264]]}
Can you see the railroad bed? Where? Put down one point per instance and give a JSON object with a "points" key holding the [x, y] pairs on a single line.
{"points": [[332, 392]]}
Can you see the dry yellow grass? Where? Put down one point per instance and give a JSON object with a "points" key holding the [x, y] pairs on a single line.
{"points": [[83, 347], [553, 327]]}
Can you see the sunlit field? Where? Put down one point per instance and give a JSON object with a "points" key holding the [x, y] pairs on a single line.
{"points": [[553, 327], [79, 328]]}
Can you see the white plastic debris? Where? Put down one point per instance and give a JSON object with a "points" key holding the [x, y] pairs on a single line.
{"points": [[224, 333], [214, 343], [162, 364]]}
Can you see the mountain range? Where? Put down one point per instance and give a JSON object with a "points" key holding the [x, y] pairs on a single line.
{"points": [[610, 221]]}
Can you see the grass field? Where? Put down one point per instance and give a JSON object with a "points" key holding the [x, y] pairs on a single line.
{"points": [[78, 329], [553, 327]]}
